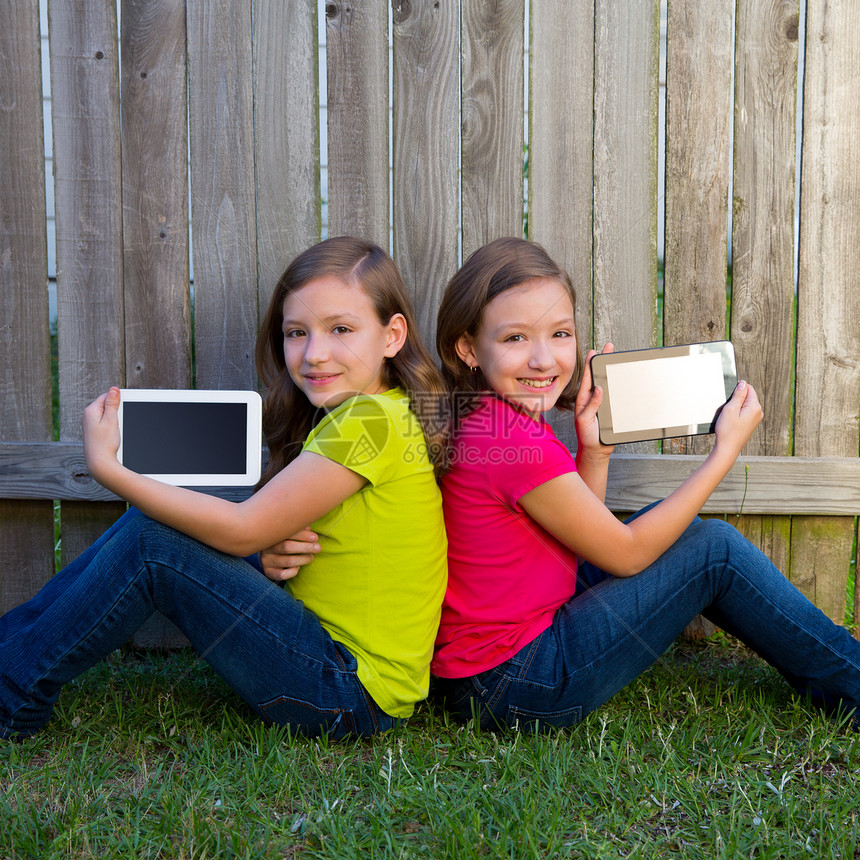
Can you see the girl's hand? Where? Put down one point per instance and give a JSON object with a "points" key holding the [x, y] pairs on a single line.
{"points": [[283, 560], [588, 401], [738, 418], [101, 433]]}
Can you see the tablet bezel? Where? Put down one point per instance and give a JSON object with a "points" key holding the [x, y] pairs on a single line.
{"points": [[599, 363], [253, 438]]}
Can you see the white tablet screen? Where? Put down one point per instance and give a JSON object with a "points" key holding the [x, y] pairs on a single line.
{"points": [[665, 392]]}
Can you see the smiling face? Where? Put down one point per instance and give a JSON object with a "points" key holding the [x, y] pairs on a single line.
{"points": [[525, 344], [334, 344]]}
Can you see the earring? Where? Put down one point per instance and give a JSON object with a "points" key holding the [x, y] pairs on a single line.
{"points": [[474, 369]]}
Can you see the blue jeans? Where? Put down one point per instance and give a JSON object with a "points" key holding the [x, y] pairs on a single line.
{"points": [[613, 628], [262, 641]]}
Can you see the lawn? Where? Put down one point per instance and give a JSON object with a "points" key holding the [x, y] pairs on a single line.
{"points": [[707, 755]]}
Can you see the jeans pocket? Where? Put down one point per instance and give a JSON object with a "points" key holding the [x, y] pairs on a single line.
{"points": [[526, 719], [307, 718]]}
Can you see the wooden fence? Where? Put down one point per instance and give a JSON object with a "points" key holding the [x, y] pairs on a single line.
{"points": [[238, 82]]}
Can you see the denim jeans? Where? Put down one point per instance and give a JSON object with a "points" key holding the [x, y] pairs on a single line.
{"points": [[262, 641], [613, 628]]}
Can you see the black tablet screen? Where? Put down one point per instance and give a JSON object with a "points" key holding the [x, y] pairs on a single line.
{"points": [[163, 438]]}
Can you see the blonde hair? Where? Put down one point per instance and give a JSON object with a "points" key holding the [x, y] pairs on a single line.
{"points": [[288, 416]]}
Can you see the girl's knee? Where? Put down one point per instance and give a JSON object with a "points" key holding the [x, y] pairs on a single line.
{"points": [[720, 536]]}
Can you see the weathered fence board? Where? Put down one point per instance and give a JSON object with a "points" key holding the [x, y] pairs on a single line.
{"points": [[625, 175], [155, 210], [155, 195], [222, 192], [426, 94], [88, 195], [561, 135], [357, 60], [25, 370], [828, 324], [286, 135], [698, 106], [492, 106], [798, 485], [763, 232]]}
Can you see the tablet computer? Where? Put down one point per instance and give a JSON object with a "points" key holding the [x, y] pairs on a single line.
{"points": [[663, 392], [192, 438]]}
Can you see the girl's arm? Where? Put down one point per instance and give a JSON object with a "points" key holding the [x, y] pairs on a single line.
{"points": [[592, 458], [307, 489], [567, 508]]}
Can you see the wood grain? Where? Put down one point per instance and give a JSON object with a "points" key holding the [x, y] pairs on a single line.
{"points": [[492, 120], [286, 136], [357, 64], [221, 113], [155, 195], [26, 547], [828, 324], [698, 107], [561, 129], [763, 234], [88, 195], [825, 485], [626, 60], [426, 152]]}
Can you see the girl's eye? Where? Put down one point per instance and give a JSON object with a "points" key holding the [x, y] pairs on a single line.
{"points": [[294, 332], [562, 334], [514, 338], [341, 329]]}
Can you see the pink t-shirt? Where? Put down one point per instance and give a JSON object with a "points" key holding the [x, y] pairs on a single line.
{"points": [[507, 576]]}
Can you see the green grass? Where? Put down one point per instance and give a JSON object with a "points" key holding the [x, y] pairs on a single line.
{"points": [[707, 755]]}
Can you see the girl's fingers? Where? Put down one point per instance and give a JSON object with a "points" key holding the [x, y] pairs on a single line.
{"points": [[587, 379]]}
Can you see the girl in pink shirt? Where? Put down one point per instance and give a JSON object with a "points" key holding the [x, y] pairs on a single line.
{"points": [[553, 604]]}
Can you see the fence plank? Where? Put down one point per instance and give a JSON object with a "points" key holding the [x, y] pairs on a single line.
{"points": [[698, 109], [426, 152], [561, 83], [763, 233], [492, 44], [829, 319], [155, 195], [560, 155], [155, 212], [86, 128], [357, 64], [222, 193], [808, 485], [26, 552], [625, 175], [286, 136], [698, 112]]}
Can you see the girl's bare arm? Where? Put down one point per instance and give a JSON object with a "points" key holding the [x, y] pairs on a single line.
{"points": [[567, 508], [307, 489]]}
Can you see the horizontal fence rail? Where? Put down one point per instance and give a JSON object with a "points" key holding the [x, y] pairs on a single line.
{"points": [[823, 486]]}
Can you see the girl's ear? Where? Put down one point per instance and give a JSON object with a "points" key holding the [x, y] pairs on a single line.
{"points": [[397, 331], [466, 350]]}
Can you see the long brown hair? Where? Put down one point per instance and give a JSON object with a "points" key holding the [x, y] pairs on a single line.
{"points": [[288, 416], [489, 271]]}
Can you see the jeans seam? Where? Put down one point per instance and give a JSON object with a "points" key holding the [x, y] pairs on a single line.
{"points": [[368, 700]]}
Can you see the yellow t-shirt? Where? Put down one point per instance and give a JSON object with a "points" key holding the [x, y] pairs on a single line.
{"points": [[378, 582]]}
